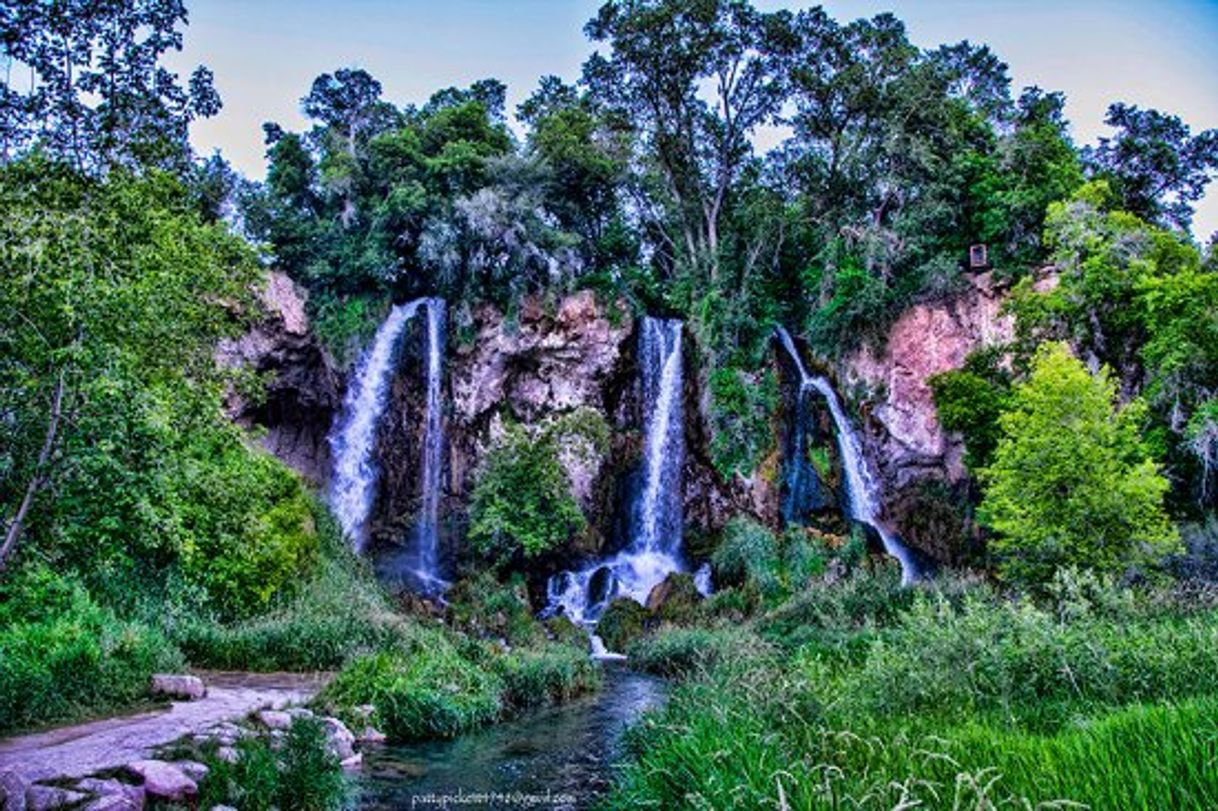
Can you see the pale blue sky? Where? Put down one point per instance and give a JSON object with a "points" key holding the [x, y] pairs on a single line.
{"points": [[265, 53]]}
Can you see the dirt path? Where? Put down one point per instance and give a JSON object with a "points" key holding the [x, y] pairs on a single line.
{"points": [[112, 742]]}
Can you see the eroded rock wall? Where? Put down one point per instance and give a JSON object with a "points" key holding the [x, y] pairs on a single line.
{"points": [[920, 463], [304, 387]]}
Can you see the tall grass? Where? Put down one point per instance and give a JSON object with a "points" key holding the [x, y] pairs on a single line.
{"points": [[963, 700]]}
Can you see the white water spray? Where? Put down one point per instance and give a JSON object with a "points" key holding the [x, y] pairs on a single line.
{"points": [[861, 485], [654, 551], [353, 485]]}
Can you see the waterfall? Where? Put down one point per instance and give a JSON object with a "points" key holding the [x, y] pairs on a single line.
{"points": [[654, 550], [427, 521], [353, 485], [861, 486]]}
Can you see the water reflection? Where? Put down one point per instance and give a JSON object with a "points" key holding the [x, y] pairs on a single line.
{"points": [[556, 758]]}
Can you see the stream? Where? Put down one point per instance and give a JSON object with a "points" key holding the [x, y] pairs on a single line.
{"points": [[554, 758]]}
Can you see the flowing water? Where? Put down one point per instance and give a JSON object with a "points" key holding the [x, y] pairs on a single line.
{"points": [[654, 551], [353, 483], [861, 486], [557, 758], [427, 523]]}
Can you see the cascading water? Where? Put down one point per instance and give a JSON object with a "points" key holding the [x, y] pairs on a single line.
{"points": [[427, 522], [353, 484], [861, 486], [654, 551]]}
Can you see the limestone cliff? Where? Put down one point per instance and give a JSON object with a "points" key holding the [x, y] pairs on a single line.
{"points": [[303, 386], [905, 441]]}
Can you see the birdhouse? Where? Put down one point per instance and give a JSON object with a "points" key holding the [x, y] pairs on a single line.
{"points": [[978, 258]]}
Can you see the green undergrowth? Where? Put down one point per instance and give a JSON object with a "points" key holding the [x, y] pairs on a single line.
{"points": [[493, 660], [1101, 698]]}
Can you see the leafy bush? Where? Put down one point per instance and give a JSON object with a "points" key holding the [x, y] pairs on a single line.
{"points": [[249, 529], [548, 675], [861, 600], [428, 691], [522, 505], [80, 660], [483, 606], [683, 652]]}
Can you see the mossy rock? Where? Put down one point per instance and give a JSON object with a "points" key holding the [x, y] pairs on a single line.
{"points": [[624, 620], [675, 599], [565, 632]]}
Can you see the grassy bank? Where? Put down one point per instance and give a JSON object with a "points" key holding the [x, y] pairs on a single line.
{"points": [[963, 699]]}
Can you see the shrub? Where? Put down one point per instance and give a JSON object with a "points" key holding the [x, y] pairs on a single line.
{"points": [[548, 675], [81, 660], [483, 606], [338, 613], [302, 774], [1071, 482], [521, 504], [683, 652], [430, 691]]}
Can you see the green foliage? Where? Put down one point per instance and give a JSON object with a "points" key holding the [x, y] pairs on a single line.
{"points": [[686, 652], [622, 621], [970, 401], [551, 674], [343, 324], [113, 297], [521, 504], [484, 607], [1071, 481], [741, 407], [428, 691], [302, 773], [63, 657], [965, 699], [750, 555], [338, 613]]}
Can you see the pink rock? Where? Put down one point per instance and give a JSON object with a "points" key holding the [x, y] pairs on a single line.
{"points": [[182, 687], [163, 780]]}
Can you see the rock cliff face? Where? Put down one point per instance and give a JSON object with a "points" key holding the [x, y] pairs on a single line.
{"points": [[573, 361], [304, 387], [906, 443]]}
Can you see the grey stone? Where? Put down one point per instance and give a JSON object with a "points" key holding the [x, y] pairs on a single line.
{"points": [[341, 742], [195, 771], [178, 686], [48, 798], [300, 712], [274, 719], [12, 791], [370, 735], [163, 780], [227, 754], [353, 762]]}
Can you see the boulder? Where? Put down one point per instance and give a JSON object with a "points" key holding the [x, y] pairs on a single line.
{"points": [[111, 795], [353, 762], [178, 686], [274, 719], [163, 780], [340, 741], [195, 771], [624, 621], [675, 598]]}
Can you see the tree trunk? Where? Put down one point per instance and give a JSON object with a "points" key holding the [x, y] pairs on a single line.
{"points": [[37, 480]]}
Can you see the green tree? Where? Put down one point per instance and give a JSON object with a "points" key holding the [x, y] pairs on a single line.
{"points": [[522, 505], [1071, 481], [97, 95], [118, 463]]}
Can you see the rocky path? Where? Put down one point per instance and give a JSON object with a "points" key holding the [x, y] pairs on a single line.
{"points": [[113, 742]]}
